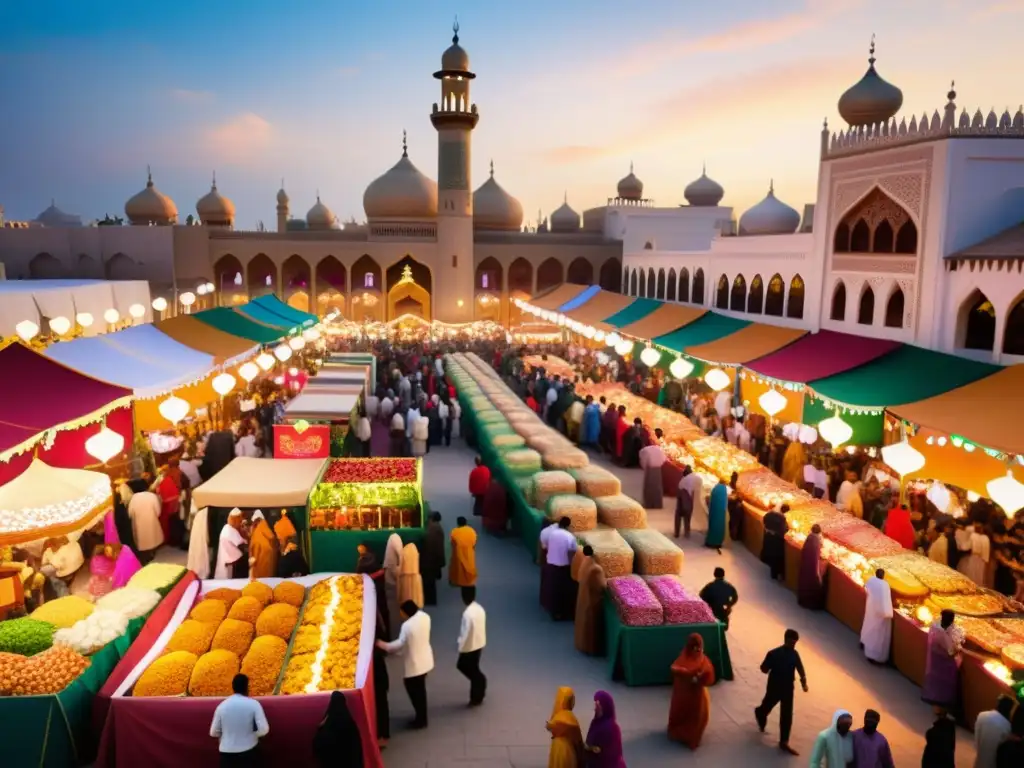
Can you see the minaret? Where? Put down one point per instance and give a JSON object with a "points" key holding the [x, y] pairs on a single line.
{"points": [[282, 209], [454, 120]]}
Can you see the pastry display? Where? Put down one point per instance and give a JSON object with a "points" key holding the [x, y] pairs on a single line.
{"points": [[767, 490], [978, 604]]}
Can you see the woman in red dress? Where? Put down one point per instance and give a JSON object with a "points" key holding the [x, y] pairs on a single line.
{"points": [[690, 710]]}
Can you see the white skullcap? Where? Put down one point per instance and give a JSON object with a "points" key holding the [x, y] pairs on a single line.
{"points": [[258, 515], [236, 512]]}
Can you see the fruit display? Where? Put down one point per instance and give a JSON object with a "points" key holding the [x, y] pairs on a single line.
{"points": [[278, 620], [93, 632], [363, 518], [767, 490], [192, 636], [168, 675], [636, 603], [48, 672], [679, 604], [212, 673], [371, 471], [262, 664], [367, 494]]}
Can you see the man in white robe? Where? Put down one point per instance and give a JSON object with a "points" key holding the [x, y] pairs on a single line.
{"points": [[991, 729], [144, 511], [229, 546], [876, 631]]}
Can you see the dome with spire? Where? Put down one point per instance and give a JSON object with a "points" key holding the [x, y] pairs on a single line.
{"points": [[630, 187], [53, 217], [214, 209], [455, 58], [769, 217], [402, 192], [282, 196], [704, 192], [565, 219], [872, 100], [320, 216], [496, 209], [150, 206]]}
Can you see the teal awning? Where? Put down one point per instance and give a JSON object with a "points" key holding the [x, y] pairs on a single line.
{"points": [[294, 316], [707, 328], [638, 310], [228, 320]]}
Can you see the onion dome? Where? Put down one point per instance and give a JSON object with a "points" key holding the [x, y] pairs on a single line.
{"points": [[455, 58], [496, 209], [630, 187], [704, 192], [565, 219], [214, 209], [55, 217], [282, 197], [402, 192], [872, 100], [320, 216], [769, 217], [150, 206]]}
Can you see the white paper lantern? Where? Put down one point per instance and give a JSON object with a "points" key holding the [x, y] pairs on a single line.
{"points": [[159, 303], [938, 494], [201, 290], [265, 361], [903, 457], [835, 430], [104, 445], [84, 319], [311, 334], [807, 435], [210, 288], [223, 384], [650, 356], [612, 339], [60, 325], [296, 343], [791, 431], [249, 371], [174, 409], [111, 316], [187, 299], [681, 368], [282, 352], [1007, 492], [717, 379], [624, 347], [26, 329], [772, 402], [599, 336], [137, 311]]}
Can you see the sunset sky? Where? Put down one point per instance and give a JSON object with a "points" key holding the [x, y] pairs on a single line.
{"points": [[569, 93]]}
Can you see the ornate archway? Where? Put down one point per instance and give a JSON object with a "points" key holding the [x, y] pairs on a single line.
{"points": [[330, 285], [409, 289], [877, 224], [976, 323], [611, 275], [549, 274], [580, 272], [45, 267], [261, 276], [120, 267]]}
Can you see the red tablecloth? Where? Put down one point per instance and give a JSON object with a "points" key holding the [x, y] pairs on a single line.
{"points": [[671, 474], [845, 599], [978, 689], [909, 648], [793, 554]]}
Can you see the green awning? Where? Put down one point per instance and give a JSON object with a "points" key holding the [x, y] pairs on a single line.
{"points": [[264, 316], [638, 310], [708, 327], [228, 320], [295, 316]]}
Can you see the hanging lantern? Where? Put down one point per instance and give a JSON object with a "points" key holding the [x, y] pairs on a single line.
{"points": [[265, 361], [159, 303], [249, 371], [223, 384], [772, 402], [590, 332], [717, 379], [60, 325], [938, 494], [84, 319], [187, 299], [104, 445], [681, 368], [174, 409], [835, 430], [311, 334], [903, 457], [201, 290], [807, 435], [137, 311], [624, 347], [599, 336], [1007, 492], [282, 352], [111, 316], [279, 380], [296, 343], [26, 330], [612, 339], [650, 356]]}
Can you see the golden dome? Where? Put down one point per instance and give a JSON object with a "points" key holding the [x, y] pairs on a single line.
{"points": [[402, 192], [320, 216], [872, 100], [630, 187], [496, 209], [214, 209], [282, 196], [150, 206]]}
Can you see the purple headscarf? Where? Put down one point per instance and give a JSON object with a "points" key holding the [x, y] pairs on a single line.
{"points": [[605, 733]]}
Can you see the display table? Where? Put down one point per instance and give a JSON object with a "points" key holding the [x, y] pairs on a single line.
{"points": [[844, 598], [671, 476], [336, 550], [793, 555], [909, 648], [753, 528], [644, 655], [978, 688]]}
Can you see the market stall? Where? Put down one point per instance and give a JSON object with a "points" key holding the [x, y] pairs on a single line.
{"points": [[226, 349], [83, 303], [337, 409], [287, 312]]}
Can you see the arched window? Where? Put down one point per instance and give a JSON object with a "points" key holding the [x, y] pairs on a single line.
{"points": [[838, 311], [580, 272], [755, 301], [866, 311], [368, 280], [650, 283], [648, 246], [366, 273], [684, 284], [520, 276], [738, 297], [894, 309], [877, 224], [722, 295], [860, 237], [661, 284], [841, 242], [643, 285], [670, 289], [976, 323], [261, 274], [489, 275], [884, 236], [698, 286], [795, 304], [1013, 336], [776, 298], [549, 274], [610, 278], [906, 238], [632, 283], [45, 267]]}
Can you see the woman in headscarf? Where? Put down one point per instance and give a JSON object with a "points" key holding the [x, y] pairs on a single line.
{"points": [[690, 711], [435, 429], [719, 503], [392, 573], [942, 664], [263, 548], [284, 529], [338, 743], [566, 738], [834, 746], [410, 582], [604, 739], [810, 592]]}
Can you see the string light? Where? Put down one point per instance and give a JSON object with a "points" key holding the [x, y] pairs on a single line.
{"points": [[60, 325], [84, 319], [265, 361], [111, 316], [223, 384], [159, 304], [249, 371]]}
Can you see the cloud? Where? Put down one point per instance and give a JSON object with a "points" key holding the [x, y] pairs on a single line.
{"points": [[186, 96], [241, 138]]}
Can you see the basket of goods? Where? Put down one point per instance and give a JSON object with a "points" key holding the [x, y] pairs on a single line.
{"points": [[522, 460], [984, 633], [168, 675], [507, 442], [594, 482], [978, 604], [48, 672], [767, 490], [565, 458], [548, 484], [1013, 656], [262, 664], [581, 511], [679, 604], [655, 553], [212, 674], [611, 551], [620, 511], [635, 602]]}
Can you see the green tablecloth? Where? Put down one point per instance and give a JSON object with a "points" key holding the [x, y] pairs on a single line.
{"points": [[335, 551], [644, 655]]}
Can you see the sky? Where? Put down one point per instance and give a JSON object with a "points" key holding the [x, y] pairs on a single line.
{"points": [[570, 92]]}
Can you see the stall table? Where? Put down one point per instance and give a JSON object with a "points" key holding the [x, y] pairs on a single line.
{"points": [[909, 648], [845, 599], [979, 689], [793, 556], [644, 655], [753, 528]]}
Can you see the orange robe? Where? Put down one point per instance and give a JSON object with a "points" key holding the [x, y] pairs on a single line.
{"points": [[462, 569], [690, 711], [566, 738], [589, 624], [263, 550], [284, 529]]}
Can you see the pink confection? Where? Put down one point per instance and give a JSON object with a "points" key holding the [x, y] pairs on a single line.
{"points": [[637, 605], [680, 606]]}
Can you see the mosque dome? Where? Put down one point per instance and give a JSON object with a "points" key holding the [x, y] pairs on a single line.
{"points": [[630, 187], [282, 196], [402, 192], [54, 217], [320, 216], [872, 100], [496, 209], [769, 217], [704, 192], [455, 58], [214, 209], [150, 206], [565, 219]]}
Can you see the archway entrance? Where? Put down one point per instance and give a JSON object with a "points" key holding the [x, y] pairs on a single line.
{"points": [[409, 286]]}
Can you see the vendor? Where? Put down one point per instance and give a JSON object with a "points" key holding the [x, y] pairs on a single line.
{"points": [[231, 546], [263, 548], [62, 557]]}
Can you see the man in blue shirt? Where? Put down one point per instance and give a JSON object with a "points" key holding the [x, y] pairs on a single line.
{"points": [[239, 723]]}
